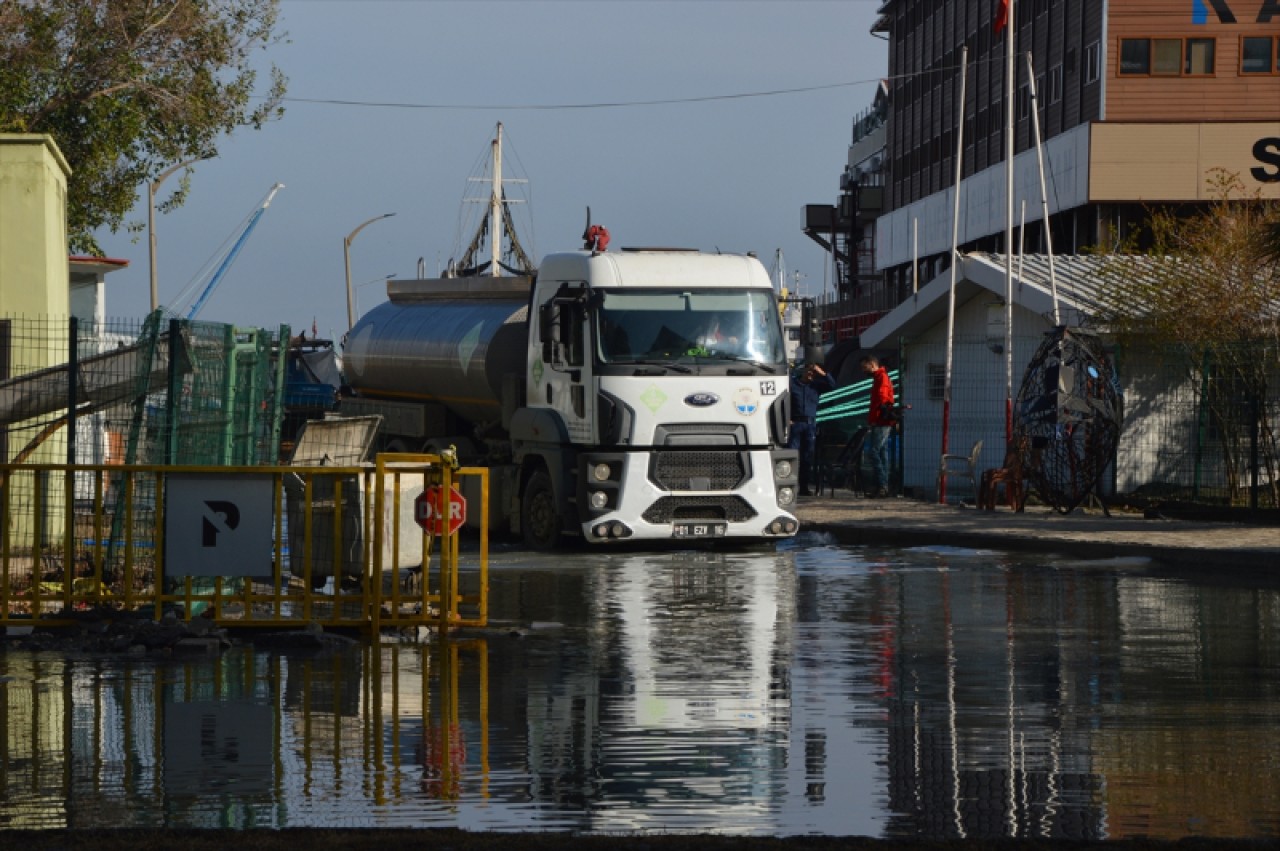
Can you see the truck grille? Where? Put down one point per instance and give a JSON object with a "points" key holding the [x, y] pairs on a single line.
{"points": [[670, 509], [701, 470]]}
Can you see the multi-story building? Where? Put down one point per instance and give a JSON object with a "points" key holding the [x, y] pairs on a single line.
{"points": [[1138, 101], [846, 229], [1138, 104]]}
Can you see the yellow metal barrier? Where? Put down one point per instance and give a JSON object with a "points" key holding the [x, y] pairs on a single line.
{"points": [[254, 546]]}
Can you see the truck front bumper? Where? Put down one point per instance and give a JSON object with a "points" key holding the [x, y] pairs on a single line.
{"points": [[621, 497]]}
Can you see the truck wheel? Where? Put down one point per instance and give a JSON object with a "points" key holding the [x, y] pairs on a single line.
{"points": [[539, 520]]}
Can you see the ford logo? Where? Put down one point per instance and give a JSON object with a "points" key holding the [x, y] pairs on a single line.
{"points": [[701, 400]]}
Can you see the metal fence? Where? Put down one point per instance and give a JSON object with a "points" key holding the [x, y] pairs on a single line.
{"points": [[363, 547], [151, 391], [1200, 426]]}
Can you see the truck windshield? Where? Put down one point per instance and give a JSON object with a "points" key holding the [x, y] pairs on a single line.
{"points": [[667, 324]]}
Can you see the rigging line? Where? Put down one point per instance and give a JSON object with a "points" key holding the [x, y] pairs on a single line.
{"points": [[466, 221], [187, 295]]}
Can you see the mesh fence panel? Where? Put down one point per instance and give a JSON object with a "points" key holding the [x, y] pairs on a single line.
{"points": [[150, 391], [146, 391]]}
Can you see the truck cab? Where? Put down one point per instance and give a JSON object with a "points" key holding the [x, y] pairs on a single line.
{"points": [[656, 400]]}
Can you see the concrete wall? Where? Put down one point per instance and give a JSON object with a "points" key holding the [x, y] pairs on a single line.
{"points": [[34, 279]]}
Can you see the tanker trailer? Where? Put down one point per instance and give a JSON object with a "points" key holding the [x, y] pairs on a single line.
{"points": [[639, 395]]}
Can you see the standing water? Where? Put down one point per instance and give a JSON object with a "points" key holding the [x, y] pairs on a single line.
{"points": [[816, 689]]}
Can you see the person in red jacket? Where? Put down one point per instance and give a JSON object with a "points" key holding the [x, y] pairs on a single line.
{"points": [[880, 419]]}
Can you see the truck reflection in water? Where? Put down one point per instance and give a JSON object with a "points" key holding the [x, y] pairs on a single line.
{"points": [[924, 694], [695, 727]]}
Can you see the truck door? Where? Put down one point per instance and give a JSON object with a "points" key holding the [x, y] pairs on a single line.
{"points": [[566, 362]]}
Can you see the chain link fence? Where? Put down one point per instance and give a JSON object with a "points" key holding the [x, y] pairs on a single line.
{"points": [[151, 391], [127, 392]]}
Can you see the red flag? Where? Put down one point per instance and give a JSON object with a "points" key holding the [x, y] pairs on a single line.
{"points": [[1002, 15]]}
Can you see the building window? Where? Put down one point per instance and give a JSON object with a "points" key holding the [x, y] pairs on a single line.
{"points": [[1135, 56], [1259, 55], [937, 381], [1171, 57], [1024, 101], [1092, 63], [1199, 57], [1166, 56], [1055, 84]]}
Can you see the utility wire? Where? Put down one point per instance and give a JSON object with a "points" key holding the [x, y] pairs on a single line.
{"points": [[629, 103], [598, 105]]}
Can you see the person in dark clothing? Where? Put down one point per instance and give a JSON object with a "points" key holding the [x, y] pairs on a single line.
{"points": [[807, 384]]}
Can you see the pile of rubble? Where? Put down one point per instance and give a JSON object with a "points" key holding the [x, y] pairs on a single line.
{"points": [[138, 633]]}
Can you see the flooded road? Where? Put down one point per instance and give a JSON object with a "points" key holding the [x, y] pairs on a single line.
{"points": [[818, 688]]}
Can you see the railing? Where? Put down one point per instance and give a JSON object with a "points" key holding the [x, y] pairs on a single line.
{"points": [[354, 546]]}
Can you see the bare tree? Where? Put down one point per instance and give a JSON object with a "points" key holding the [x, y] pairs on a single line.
{"points": [[1209, 290]]}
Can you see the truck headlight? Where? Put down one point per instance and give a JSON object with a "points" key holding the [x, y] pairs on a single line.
{"points": [[782, 469], [786, 495], [601, 472], [599, 499]]}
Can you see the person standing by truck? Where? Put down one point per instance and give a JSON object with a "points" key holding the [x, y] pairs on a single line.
{"points": [[880, 419], [807, 385]]}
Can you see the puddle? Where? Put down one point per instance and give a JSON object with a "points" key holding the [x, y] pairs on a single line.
{"points": [[817, 689]]}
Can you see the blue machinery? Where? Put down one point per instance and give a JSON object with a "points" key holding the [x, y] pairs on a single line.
{"points": [[249, 225]]}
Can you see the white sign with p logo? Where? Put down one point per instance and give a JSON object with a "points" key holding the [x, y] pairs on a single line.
{"points": [[217, 525]]}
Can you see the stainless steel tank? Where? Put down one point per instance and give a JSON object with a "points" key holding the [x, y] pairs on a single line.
{"points": [[446, 340]]}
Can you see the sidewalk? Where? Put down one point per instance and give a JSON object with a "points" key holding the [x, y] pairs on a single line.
{"points": [[854, 519]]}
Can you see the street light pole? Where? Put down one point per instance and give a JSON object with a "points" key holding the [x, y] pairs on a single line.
{"points": [[152, 187], [346, 257]]}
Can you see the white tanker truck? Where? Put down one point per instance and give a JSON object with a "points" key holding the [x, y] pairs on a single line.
{"points": [[635, 395]]}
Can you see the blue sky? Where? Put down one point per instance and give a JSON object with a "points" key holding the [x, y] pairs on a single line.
{"points": [[725, 172]]}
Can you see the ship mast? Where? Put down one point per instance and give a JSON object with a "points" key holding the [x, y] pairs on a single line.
{"points": [[494, 224], [495, 206]]}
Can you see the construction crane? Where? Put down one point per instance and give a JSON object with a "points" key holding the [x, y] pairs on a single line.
{"points": [[245, 229]]}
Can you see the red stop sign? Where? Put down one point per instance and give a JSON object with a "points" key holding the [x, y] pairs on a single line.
{"points": [[432, 513]]}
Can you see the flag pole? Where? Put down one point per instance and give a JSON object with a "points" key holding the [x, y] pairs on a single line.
{"points": [[955, 259], [1008, 21]]}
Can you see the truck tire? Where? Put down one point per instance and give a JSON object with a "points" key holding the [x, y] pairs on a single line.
{"points": [[540, 522]]}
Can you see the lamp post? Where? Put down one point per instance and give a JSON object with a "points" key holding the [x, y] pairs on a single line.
{"points": [[346, 257], [152, 186]]}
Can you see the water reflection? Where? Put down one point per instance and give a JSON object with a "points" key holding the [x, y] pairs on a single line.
{"points": [[817, 689]]}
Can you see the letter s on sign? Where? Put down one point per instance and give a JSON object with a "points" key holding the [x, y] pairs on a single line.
{"points": [[1267, 150]]}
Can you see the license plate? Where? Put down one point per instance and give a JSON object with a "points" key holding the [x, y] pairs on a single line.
{"points": [[699, 530]]}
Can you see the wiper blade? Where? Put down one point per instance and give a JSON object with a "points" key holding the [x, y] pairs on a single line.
{"points": [[740, 359], [664, 364]]}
